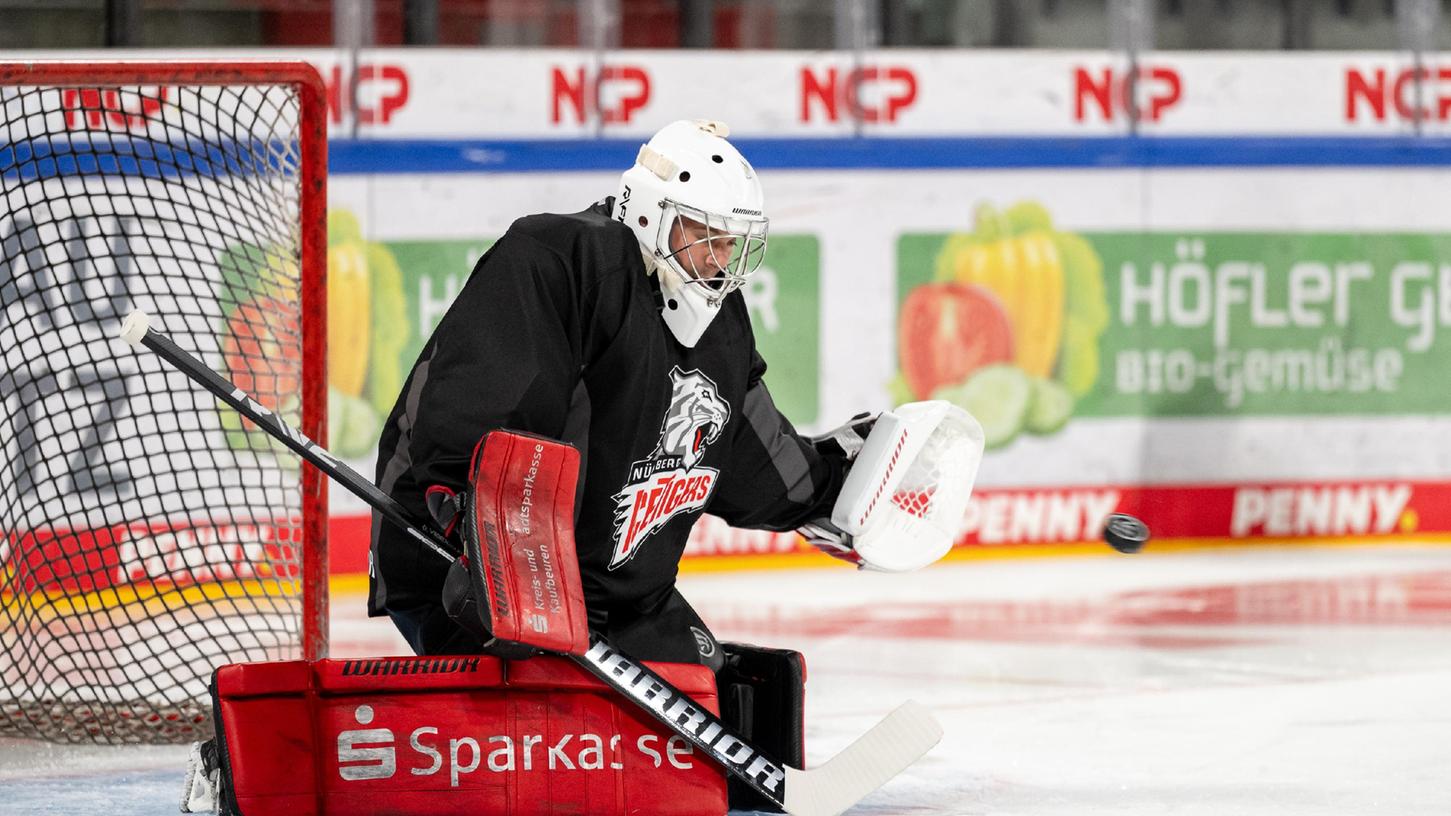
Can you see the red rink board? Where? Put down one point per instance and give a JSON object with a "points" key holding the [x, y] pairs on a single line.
{"points": [[410, 736], [1233, 512], [1003, 518]]}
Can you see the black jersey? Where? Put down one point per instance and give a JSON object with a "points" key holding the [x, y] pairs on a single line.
{"points": [[558, 332]]}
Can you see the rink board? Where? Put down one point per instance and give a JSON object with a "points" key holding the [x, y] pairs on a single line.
{"points": [[1240, 303]]}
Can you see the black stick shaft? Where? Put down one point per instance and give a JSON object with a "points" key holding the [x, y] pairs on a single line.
{"points": [[298, 442], [638, 683], [678, 712]]}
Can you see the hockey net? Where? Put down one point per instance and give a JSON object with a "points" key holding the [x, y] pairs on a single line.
{"points": [[147, 534]]}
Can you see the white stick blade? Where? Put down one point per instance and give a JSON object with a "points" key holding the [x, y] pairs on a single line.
{"points": [[880, 754], [135, 326]]}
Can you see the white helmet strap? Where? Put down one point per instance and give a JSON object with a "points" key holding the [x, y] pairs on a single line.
{"points": [[656, 163], [714, 127]]}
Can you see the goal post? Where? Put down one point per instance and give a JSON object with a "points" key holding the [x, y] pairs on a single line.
{"points": [[148, 534]]}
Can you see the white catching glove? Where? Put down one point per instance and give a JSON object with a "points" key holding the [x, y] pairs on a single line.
{"points": [[905, 495]]}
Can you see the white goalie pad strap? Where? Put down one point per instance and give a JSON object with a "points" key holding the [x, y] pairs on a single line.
{"points": [[905, 497], [199, 791]]}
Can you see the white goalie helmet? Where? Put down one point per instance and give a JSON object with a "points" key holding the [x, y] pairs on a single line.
{"points": [[696, 206]]}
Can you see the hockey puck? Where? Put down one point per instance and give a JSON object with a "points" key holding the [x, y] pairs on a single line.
{"points": [[1125, 533]]}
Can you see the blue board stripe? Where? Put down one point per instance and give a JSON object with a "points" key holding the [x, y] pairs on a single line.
{"points": [[872, 153], [47, 159], [63, 157]]}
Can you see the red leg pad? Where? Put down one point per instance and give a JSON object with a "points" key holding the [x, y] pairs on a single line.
{"points": [[427, 735]]}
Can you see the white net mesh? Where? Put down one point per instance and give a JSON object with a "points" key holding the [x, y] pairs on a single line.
{"points": [[147, 534], [938, 483]]}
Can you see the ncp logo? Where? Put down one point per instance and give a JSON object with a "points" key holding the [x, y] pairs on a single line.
{"points": [[615, 92], [373, 93], [869, 93], [1381, 95], [113, 109], [377, 761], [1142, 94]]}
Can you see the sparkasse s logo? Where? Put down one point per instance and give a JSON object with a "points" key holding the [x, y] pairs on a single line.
{"points": [[370, 753], [366, 753]]}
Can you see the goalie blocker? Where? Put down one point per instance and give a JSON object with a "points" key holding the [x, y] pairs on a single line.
{"points": [[516, 588]]}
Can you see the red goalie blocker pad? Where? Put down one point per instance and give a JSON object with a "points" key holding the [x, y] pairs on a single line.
{"points": [[471, 734], [519, 529]]}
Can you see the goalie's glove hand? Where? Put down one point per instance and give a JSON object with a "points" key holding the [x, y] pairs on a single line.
{"points": [[830, 539], [846, 441]]}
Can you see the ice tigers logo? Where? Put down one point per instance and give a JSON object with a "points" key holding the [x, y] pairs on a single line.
{"points": [[670, 481], [695, 418]]}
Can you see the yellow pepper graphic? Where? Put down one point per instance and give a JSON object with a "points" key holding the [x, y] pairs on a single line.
{"points": [[348, 317], [1050, 286], [1025, 271], [367, 331]]}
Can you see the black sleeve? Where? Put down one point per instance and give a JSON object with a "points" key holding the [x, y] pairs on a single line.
{"points": [[504, 356], [775, 479], [507, 354]]}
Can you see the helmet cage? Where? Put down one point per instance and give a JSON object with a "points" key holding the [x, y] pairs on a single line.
{"points": [[738, 246]]}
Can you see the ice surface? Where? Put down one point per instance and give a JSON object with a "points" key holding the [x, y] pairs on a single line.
{"points": [[1287, 681]]}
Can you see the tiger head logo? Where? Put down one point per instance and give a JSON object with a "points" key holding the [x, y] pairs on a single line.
{"points": [[696, 417]]}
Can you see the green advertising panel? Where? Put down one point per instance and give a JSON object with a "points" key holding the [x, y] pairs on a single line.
{"points": [[373, 325], [434, 273], [784, 299], [1028, 326], [385, 298]]}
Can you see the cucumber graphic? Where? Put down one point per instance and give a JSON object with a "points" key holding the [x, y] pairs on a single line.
{"points": [[999, 396], [353, 425], [1050, 407]]}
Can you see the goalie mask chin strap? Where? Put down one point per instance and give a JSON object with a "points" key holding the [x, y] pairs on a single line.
{"points": [[686, 310], [661, 272], [654, 267]]}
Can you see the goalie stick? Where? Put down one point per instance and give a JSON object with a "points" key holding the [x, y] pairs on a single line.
{"points": [[885, 750]]}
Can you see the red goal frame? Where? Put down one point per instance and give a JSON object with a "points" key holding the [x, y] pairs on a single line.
{"points": [[312, 144]]}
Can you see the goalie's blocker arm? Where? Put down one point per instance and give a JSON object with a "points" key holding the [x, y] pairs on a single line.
{"points": [[517, 586]]}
